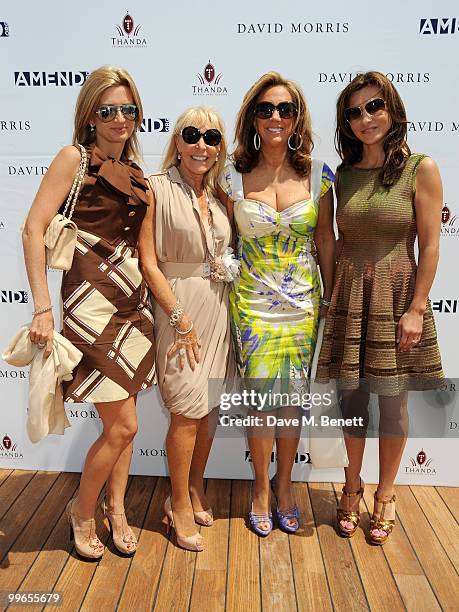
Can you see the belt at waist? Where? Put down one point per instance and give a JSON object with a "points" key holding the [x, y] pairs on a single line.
{"points": [[184, 270]]}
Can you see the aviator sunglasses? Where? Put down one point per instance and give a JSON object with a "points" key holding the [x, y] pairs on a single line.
{"points": [[371, 108], [108, 112], [192, 135], [265, 110]]}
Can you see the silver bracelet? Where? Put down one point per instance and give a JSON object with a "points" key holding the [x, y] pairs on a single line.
{"points": [[325, 302], [176, 314], [183, 333], [42, 310]]}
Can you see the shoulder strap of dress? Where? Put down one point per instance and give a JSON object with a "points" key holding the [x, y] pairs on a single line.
{"points": [[316, 178], [236, 184]]}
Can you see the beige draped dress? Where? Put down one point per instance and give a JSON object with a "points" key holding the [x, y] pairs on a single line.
{"points": [[182, 242]]}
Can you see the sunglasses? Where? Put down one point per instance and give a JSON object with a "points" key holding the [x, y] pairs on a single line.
{"points": [[265, 110], [371, 108], [192, 135], [108, 113]]}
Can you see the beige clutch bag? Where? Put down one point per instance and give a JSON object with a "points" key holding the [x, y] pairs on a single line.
{"points": [[61, 235]]}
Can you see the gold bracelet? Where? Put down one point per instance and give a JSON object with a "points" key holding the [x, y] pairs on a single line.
{"points": [[42, 310]]}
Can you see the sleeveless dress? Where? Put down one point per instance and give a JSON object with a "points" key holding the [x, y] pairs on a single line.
{"points": [[106, 311], [275, 301], [182, 241], [374, 286]]}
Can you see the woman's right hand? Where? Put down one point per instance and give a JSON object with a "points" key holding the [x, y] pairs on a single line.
{"points": [[186, 344], [42, 332]]}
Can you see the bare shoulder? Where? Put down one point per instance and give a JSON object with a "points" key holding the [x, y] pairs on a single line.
{"points": [[427, 168], [67, 160]]}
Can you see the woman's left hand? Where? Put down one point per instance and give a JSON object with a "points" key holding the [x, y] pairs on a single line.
{"points": [[409, 330]]}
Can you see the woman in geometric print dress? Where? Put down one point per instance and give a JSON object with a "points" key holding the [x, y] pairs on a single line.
{"points": [[282, 202], [379, 334], [105, 309]]}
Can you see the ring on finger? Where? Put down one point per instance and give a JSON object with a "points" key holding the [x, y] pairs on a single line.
{"points": [[41, 344], [182, 352]]}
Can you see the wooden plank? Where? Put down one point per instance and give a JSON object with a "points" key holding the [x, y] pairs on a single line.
{"points": [[343, 576], [243, 591], [176, 577], [380, 587], [144, 575], [435, 563], [20, 512], [450, 495], [416, 593], [54, 554], [398, 550], [441, 520], [27, 547], [209, 584], [76, 575], [277, 586], [4, 474], [13, 487], [312, 592], [107, 583]]}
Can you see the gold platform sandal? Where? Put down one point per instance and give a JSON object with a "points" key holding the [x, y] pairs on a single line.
{"points": [[348, 515], [378, 522]]}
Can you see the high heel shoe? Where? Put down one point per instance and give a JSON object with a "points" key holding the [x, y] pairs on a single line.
{"points": [[256, 519], [83, 534], [348, 515], [284, 516], [126, 537], [193, 542], [378, 522], [204, 517]]}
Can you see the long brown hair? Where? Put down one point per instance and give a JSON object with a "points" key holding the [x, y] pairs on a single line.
{"points": [[396, 149], [88, 100], [246, 156]]}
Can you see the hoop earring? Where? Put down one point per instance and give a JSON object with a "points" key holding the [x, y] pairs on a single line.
{"points": [[256, 141], [298, 144]]}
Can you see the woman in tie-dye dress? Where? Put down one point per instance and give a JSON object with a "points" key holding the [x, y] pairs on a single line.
{"points": [[282, 204]]}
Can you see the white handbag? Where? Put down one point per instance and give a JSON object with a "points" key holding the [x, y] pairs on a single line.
{"points": [[61, 234], [326, 442]]}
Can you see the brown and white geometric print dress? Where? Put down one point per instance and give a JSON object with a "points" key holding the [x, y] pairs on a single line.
{"points": [[106, 311], [182, 240]]}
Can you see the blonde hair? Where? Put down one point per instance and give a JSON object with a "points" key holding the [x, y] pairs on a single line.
{"points": [[89, 99], [246, 156], [199, 117]]}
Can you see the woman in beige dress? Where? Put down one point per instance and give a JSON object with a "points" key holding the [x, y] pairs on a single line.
{"points": [[190, 231]]}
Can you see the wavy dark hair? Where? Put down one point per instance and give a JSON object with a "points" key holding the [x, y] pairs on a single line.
{"points": [[245, 156], [396, 149]]}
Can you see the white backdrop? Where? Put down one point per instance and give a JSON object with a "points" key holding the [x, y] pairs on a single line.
{"points": [[47, 48]]}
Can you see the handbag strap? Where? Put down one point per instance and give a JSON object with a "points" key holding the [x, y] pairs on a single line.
{"points": [[77, 183]]}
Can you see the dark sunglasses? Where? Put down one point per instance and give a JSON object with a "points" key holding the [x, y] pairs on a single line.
{"points": [[371, 108], [192, 135], [265, 110], [108, 113]]}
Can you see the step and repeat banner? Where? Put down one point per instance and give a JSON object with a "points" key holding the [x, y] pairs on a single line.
{"points": [[47, 49]]}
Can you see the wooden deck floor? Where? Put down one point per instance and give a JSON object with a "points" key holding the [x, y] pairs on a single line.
{"points": [[312, 570]]}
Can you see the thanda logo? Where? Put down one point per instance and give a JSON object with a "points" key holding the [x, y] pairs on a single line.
{"points": [[421, 465], [8, 448], [154, 125], [299, 457], [128, 34], [448, 222], [210, 82]]}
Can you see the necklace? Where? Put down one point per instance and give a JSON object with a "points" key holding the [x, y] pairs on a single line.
{"points": [[216, 266]]}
